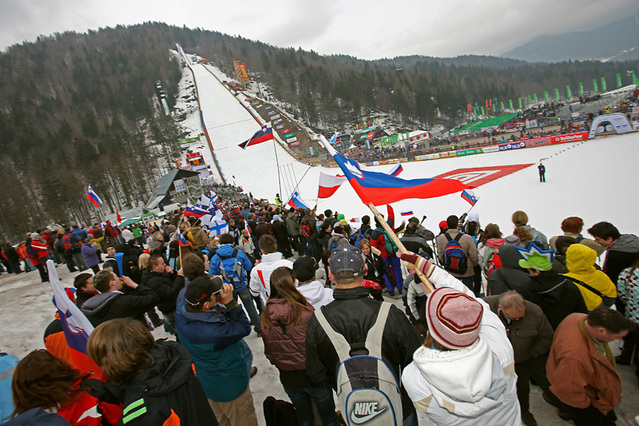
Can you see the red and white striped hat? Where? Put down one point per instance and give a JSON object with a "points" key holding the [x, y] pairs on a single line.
{"points": [[453, 318]]}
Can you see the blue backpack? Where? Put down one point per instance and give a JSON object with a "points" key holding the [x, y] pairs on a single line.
{"points": [[232, 271], [359, 236], [455, 259]]}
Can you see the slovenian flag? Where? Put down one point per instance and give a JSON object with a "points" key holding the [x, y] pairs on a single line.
{"points": [[469, 196], [263, 135], [395, 171], [408, 213], [93, 197], [194, 211], [75, 325], [379, 188], [296, 201], [328, 184], [182, 241]]}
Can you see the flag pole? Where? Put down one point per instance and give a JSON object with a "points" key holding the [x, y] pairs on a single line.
{"points": [[277, 163], [298, 184], [428, 287]]}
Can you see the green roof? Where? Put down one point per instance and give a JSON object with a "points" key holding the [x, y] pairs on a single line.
{"points": [[489, 122]]}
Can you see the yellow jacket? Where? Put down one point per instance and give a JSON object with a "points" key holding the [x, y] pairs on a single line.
{"points": [[580, 261]]}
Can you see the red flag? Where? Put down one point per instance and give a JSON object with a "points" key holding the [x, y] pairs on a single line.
{"points": [[117, 212]]}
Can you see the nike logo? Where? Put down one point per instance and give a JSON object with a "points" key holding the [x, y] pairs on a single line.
{"points": [[365, 407]]}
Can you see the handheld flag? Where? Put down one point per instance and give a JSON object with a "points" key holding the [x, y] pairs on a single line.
{"points": [[470, 196], [408, 213], [263, 135], [395, 171], [117, 213], [182, 241], [333, 139], [194, 211], [329, 184], [93, 197], [75, 325], [296, 201], [379, 188]]}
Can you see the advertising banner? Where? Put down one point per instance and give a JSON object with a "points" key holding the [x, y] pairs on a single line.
{"points": [[465, 152], [512, 145], [289, 130], [296, 143], [289, 135], [275, 116], [492, 148], [569, 137]]}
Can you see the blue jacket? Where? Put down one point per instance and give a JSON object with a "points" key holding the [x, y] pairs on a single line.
{"points": [[213, 339], [226, 251]]}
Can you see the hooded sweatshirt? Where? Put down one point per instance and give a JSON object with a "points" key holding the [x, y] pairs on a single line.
{"points": [[472, 386], [316, 294], [580, 261]]}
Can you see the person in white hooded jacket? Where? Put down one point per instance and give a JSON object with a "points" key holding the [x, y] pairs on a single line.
{"points": [[465, 372], [312, 289]]}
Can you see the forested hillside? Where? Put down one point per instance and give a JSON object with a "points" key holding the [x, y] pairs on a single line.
{"points": [[81, 108]]}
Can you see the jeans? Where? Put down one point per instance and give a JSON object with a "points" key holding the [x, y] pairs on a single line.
{"points": [[247, 301], [323, 397]]}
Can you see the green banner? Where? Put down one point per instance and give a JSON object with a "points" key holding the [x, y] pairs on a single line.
{"points": [[529, 100], [289, 135], [521, 104], [634, 79], [510, 104], [603, 84], [190, 140], [581, 89], [467, 152], [619, 80], [595, 89], [546, 97], [483, 112], [502, 106], [568, 92], [557, 97], [535, 97]]}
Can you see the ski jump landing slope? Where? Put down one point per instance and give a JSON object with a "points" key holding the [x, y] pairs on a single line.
{"points": [[256, 168], [595, 180]]}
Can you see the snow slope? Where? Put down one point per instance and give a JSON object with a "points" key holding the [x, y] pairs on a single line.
{"points": [[594, 180]]}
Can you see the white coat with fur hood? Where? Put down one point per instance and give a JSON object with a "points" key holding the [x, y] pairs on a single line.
{"points": [[471, 386]]}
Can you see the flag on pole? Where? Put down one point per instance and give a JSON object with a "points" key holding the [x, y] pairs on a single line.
{"points": [[182, 241], [297, 202], [469, 196], [263, 135], [93, 197], [407, 213], [395, 171], [214, 220], [75, 325], [379, 188], [194, 211], [333, 139], [117, 214], [329, 184]]}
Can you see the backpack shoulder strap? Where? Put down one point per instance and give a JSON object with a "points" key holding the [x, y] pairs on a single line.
{"points": [[458, 236], [447, 236], [586, 286], [376, 332], [342, 347]]}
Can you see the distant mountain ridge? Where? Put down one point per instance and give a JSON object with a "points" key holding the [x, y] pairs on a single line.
{"points": [[617, 41]]}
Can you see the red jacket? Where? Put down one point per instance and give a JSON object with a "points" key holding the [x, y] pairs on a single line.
{"points": [[42, 252]]}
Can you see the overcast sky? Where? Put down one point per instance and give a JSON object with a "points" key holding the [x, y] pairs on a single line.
{"points": [[369, 29]]}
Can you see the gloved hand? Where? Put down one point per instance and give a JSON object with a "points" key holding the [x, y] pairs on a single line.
{"points": [[425, 265]]}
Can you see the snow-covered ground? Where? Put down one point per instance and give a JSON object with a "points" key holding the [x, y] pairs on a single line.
{"points": [[595, 180]]}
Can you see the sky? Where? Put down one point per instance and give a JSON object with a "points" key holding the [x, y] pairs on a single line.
{"points": [[371, 29]]}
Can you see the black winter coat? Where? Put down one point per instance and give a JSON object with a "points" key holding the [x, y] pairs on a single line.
{"points": [[168, 389]]}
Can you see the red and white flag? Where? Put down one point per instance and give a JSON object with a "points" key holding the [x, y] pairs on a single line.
{"points": [[328, 184]]}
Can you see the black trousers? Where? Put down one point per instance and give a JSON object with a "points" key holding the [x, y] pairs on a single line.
{"points": [[591, 416]]}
